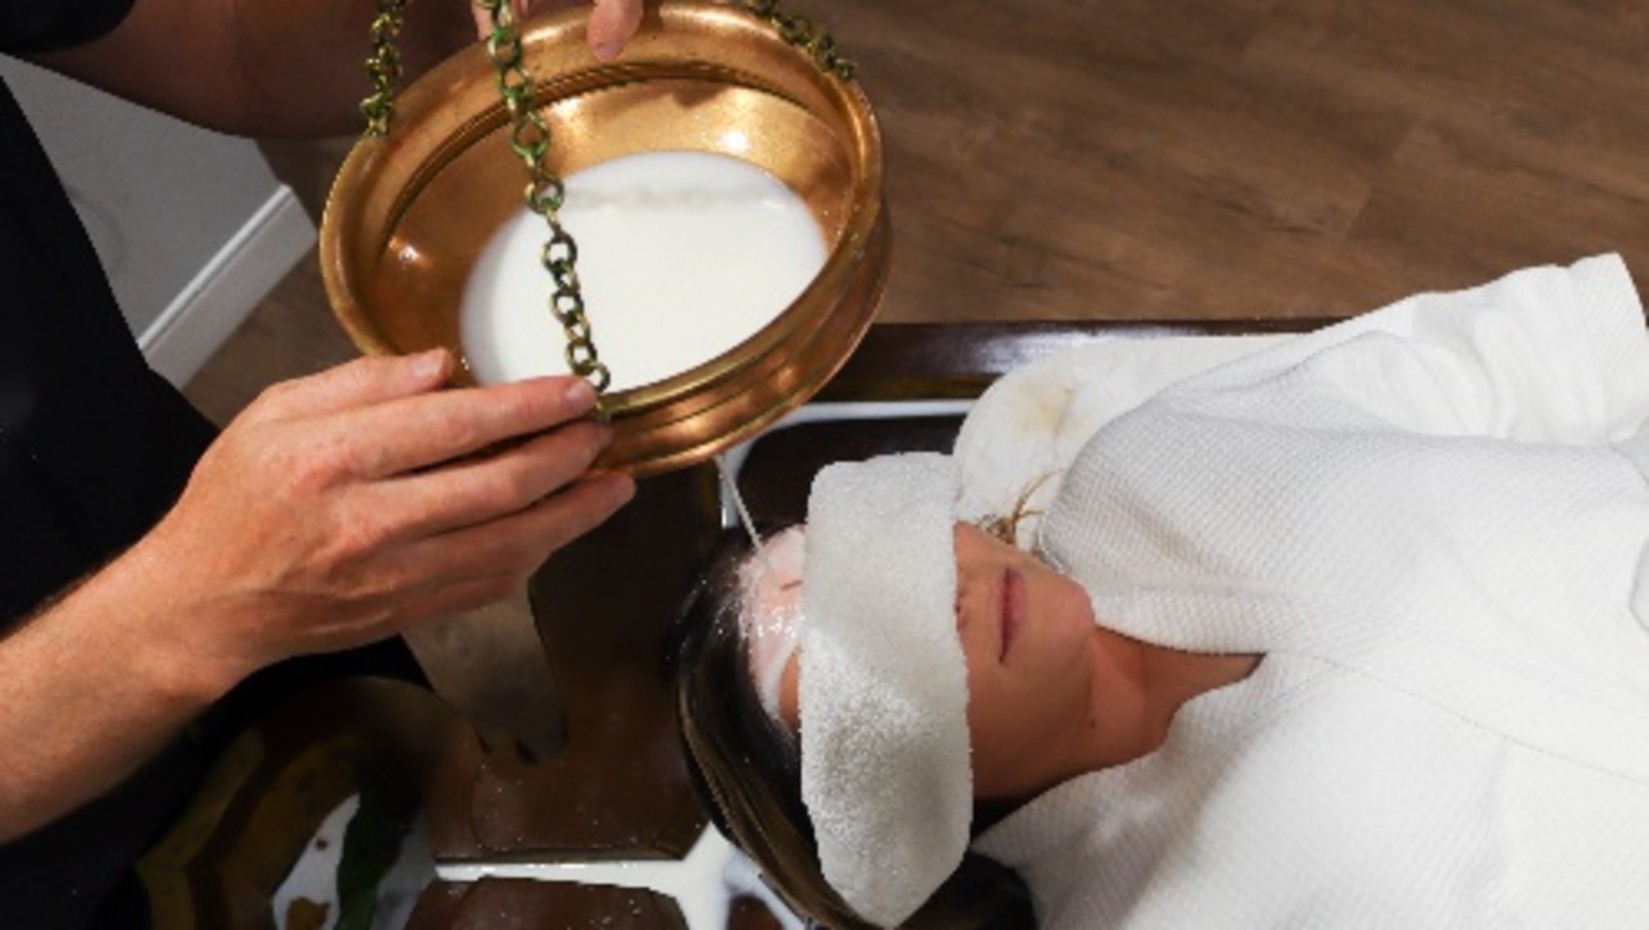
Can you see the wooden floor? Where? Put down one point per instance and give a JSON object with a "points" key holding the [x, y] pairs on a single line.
{"points": [[1128, 159], [1233, 158]]}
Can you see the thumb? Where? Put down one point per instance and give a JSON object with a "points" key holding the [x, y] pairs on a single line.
{"points": [[612, 24]]}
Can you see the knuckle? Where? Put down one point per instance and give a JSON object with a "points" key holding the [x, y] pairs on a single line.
{"points": [[462, 429], [521, 404], [272, 401], [504, 489], [353, 537], [284, 475], [307, 470]]}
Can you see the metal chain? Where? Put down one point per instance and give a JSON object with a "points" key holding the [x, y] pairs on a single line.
{"points": [[800, 32], [544, 193], [383, 67]]}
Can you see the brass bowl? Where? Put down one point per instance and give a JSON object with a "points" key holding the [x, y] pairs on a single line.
{"points": [[409, 214]]}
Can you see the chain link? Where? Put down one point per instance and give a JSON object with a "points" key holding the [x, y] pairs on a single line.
{"points": [[544, 194], [383, 67]]}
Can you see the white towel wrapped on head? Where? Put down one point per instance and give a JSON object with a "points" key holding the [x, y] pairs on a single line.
{"points": [[1025, 430]]}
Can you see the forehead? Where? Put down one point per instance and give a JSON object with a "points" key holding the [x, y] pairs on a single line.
{"points": [[774, 571], [770, 614]]}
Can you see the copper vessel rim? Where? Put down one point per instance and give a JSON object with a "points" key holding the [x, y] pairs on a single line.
{"points": [[691, 392]]}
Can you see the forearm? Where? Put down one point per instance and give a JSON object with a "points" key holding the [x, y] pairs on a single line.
{"points": [[259, 67], [90, 689]]}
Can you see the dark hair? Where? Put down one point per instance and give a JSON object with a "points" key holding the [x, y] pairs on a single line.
{"points": [[748, 768]]}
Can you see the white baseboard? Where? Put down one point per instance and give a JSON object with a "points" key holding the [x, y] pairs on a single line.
{"points": [[212, 305]]}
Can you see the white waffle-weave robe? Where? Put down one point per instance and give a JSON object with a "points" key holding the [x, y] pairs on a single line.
{"points": [[1433, 521]]}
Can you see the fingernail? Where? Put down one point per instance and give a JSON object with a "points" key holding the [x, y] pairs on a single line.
{"points": [[607, 51], [580, 396]]}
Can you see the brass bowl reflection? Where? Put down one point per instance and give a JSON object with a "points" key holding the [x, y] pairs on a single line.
{"points": [[409, 214]]}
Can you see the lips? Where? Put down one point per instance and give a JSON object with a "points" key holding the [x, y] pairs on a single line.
{"points": [[1013, 609]]}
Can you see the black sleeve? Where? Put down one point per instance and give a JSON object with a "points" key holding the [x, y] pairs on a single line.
{"points": [[43, 25]]}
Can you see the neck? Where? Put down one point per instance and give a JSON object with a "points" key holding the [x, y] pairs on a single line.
{"points": [[1139, 688]]}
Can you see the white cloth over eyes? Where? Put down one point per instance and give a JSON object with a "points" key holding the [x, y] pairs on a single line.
{"points": [[1433, 520], [883, 690]]}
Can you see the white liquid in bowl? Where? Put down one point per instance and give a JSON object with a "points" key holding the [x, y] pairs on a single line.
{"points": [[681, 256]]}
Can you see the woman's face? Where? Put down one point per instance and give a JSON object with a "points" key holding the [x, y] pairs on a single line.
{"points": [[1028, 637]]}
